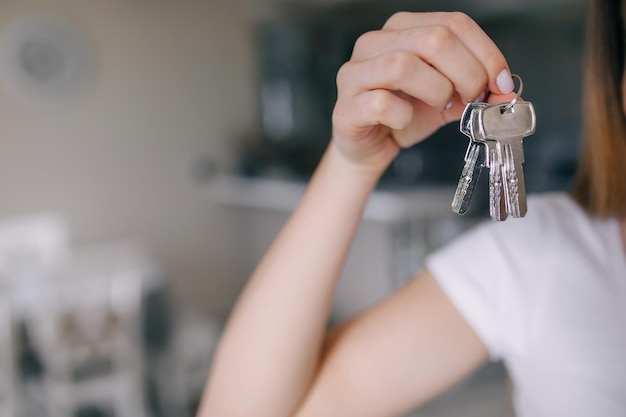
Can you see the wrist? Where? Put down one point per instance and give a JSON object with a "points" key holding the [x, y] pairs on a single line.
{"points": [[365, 166], [345, 170]]}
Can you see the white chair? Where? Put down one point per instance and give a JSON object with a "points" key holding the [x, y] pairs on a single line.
{"points": [[28, 245], [88, 332]]}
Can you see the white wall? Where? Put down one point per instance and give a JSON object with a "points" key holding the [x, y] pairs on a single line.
{"points": [[175, 82]]}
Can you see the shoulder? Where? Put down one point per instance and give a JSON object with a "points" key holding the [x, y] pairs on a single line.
{"points": [[494, 271]]}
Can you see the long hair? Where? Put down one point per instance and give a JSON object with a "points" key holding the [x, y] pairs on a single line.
{"points": [[600, 184]]}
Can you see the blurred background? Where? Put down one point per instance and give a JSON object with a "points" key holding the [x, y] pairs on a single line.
{"points": [[150, 150]]}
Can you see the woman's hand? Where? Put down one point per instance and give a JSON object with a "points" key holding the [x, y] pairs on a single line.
{"points": [[407, 80]]}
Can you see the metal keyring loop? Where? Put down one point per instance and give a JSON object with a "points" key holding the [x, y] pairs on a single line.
{"points": [[517, 95]]}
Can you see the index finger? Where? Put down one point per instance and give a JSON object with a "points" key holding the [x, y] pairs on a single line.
{"points": [[471, 34]]}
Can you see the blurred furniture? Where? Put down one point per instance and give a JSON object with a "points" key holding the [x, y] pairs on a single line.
{"points": [[79, 325], [87, 329], [28, 244], [39, 238]]}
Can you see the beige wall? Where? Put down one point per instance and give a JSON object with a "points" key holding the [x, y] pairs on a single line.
{"points": [[175, 82]]}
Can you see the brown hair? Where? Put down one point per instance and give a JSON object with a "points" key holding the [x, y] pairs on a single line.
{"points": [[600, 185]]}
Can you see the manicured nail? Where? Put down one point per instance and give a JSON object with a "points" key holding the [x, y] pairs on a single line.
{"points": [[505, 82], [481, 97], [450, 104]]}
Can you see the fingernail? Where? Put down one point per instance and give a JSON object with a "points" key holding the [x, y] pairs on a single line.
{"points": [[450, 104], [481, 97], [505, 82]]}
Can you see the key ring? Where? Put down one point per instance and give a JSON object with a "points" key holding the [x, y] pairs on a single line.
{"points": [[517, 95]]}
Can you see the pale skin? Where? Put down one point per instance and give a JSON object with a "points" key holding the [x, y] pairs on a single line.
{"points": [[276, 358]]}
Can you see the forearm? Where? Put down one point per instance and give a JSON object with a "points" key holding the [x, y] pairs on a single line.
{"points": [[269, 351]]}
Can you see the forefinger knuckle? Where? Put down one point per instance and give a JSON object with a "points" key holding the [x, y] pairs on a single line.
{"points": [[398, 65], [438, 39], [459, 22], [398, 19], [363, 44]]}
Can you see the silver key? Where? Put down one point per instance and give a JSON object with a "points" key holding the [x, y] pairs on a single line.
{"points": [[474, 162], [493, 160], [497, 195], [508, 126]]}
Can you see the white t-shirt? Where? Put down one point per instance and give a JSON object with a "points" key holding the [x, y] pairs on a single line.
{"points": [[547, 295]]}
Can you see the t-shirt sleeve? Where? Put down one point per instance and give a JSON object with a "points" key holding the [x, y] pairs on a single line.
{"points": [[484, 273]]}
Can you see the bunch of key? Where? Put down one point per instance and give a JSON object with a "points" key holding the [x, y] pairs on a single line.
{"points": [[496, 133]]}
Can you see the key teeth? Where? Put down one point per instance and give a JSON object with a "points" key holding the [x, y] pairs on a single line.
{"points": [[514, 194], [460, 201], [495, 196], [517, 204], [509, 189], [461, 190]]}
